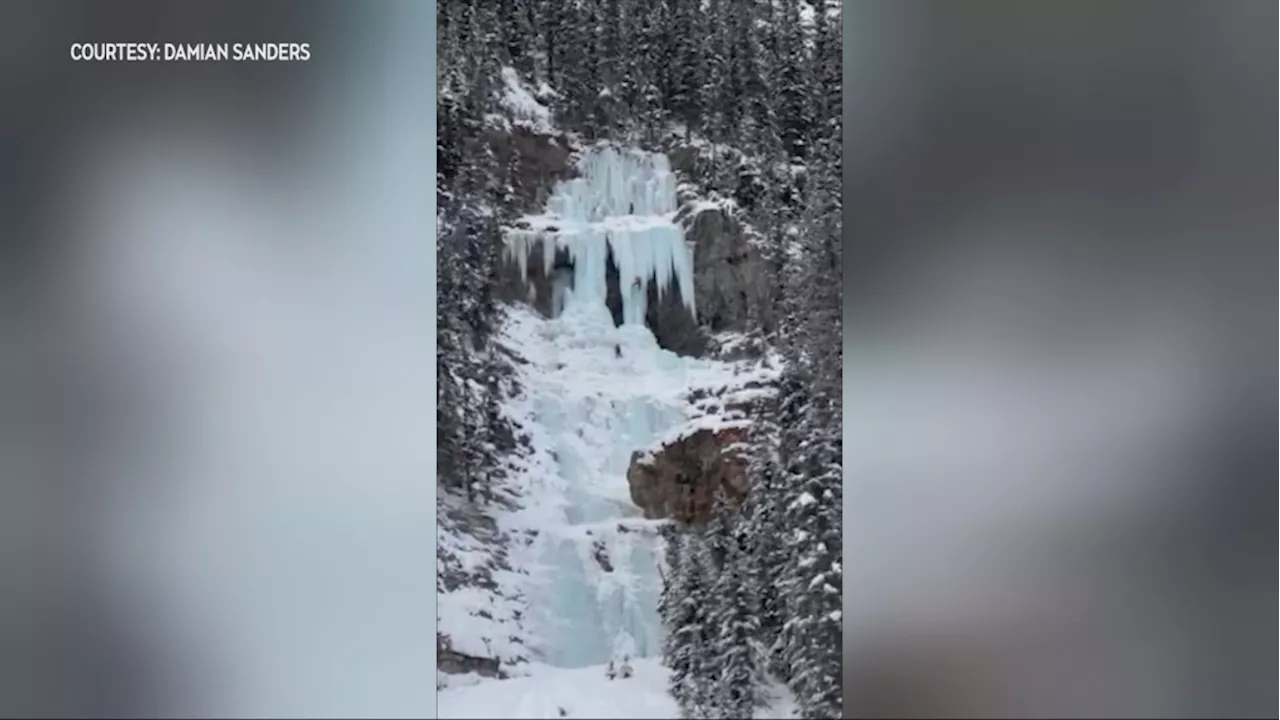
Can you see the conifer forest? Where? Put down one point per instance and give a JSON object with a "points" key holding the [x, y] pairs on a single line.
{"points": [[639, 353]]}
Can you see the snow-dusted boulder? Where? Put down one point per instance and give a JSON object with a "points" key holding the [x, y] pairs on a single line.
{"points": [[680, 479]]}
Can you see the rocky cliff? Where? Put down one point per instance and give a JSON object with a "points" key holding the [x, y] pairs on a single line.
{"points": [[732, 292], [680, 480], [537, 161]]}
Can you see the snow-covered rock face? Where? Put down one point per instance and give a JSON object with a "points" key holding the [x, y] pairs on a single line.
{"points": [[621, 207]]}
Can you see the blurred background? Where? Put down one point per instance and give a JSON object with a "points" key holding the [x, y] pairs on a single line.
{"points": [[1060, 223], [216, 322]]}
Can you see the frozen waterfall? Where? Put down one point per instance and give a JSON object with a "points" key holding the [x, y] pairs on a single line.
{"points": [[594, 393], [623, 205]]}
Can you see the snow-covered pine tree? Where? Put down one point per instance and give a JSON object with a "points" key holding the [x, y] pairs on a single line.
{"points": [[828, 72], [715, 69], [633, 77], [473, 192], [685, 606], [758, 41], [515, 25], [765, 554], [645, 51], [736, 619], [816, 339], [687, 92], [810, 445], [615, 93], [791, 79], [811, 580], [555, 20], [707, 548], [580, 64]]}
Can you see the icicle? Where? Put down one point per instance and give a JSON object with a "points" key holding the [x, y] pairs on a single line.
{"points": [[623, 202]]}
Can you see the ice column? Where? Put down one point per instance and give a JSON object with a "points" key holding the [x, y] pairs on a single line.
{"points": [[623, 202]]}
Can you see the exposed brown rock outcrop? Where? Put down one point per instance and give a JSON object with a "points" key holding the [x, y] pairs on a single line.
{"points": [[680, 480]]}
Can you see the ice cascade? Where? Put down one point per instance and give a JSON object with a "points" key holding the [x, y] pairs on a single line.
{"points": [[623, 205], [593, 394]]}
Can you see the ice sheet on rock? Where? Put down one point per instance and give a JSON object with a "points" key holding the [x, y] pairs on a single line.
{"points": [[622, 204]]}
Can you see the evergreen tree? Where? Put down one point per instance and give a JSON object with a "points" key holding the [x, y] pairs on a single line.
{"points": [[558, 31], [759, 45], [736, 659], [648, 53], [687, 89], [810, 444], [684, 612], [811, 580], [790, 80], [827, 75], [473, 192], [613, 41], [765, 528], [515, 24], [716, 71]]}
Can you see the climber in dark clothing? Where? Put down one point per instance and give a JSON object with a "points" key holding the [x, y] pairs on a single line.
{"points": [[617, 351]]}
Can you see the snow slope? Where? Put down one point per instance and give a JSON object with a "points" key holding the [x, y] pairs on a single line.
{"points": [[581, 693]]}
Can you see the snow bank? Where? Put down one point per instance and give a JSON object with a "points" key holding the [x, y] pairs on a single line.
{"points": [[558, 693], [722, 404], [549, 692]]}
